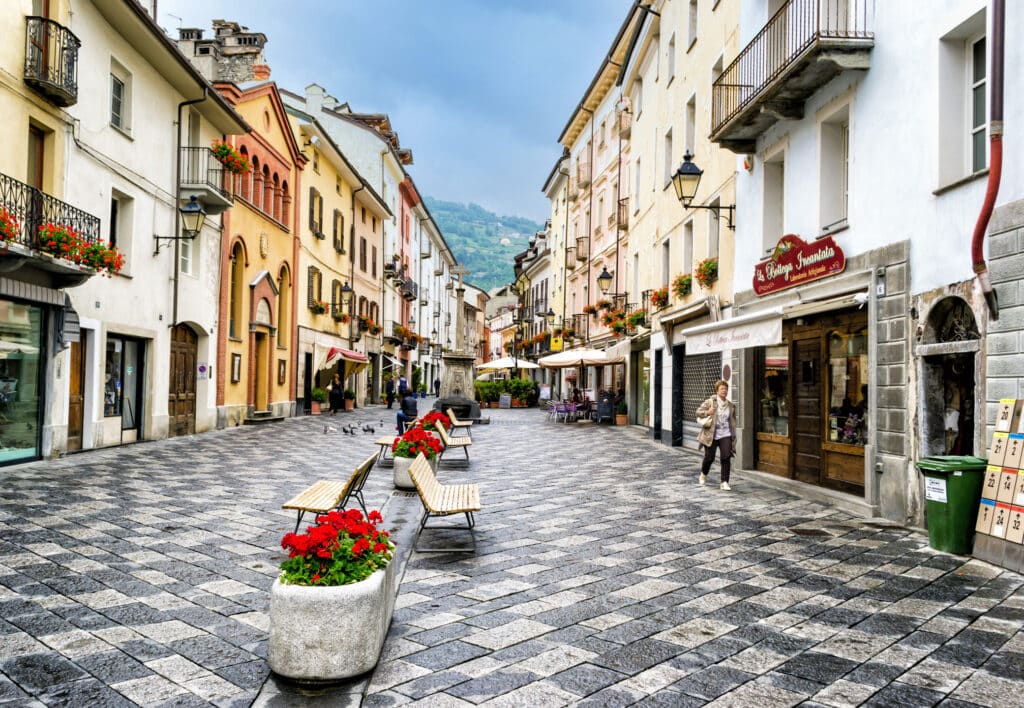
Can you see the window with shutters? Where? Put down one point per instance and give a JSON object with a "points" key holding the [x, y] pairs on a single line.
{"points": [[339, 231], [373, 262], [316, 213], [337, 300], [314, 285], [362, 254]]}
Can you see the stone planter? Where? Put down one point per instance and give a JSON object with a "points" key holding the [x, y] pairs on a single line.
{"points": [[621, 419], [401, 473], [400, 470], [322, 634]]}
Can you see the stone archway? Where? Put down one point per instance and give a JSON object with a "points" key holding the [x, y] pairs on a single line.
{"points": [[949, 349]]}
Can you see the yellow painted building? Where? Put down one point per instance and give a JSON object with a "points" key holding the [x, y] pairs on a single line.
{"points": [[339, 267], [258, 301]]}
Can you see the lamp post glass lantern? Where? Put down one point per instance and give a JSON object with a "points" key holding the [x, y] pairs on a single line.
{"points": [[192, 217], [686, 179], [604, 281]]}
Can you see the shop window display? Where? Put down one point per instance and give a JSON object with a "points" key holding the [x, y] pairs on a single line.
{"points": [[847, 387], [20, 345], [774, 410]]}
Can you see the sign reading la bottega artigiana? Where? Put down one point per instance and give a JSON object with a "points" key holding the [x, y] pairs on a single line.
{"points": [[794, 262]]}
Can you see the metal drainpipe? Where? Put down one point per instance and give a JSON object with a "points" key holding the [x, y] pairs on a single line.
{"points": [[618, 195], [565, 269], [996, 152], [177, 203], [352, 267]]}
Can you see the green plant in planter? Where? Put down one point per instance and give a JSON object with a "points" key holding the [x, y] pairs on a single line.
{"points": [[707, 272], [349, 394], [622, 408], [342, 548], [682, 285], [319, 395]]}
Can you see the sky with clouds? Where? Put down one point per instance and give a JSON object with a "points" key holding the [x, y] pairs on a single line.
{"points": [[478, 89]]}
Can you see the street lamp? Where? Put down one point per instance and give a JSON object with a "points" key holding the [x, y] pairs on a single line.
{"points": [[686, 180], [192, 216], [347, 294], [550, 316], [412, 320], [604, 281]]}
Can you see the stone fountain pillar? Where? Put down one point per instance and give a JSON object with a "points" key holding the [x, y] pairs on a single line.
{"points": [[457, 377]]}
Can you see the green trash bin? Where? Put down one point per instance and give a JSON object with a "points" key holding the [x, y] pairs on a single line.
{"points": [[952, 492]]}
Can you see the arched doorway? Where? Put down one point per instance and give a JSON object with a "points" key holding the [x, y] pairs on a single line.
{"points": [[262, 329], [951, 343], [181, 393]]}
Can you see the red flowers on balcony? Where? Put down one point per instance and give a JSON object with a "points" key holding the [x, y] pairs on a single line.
{"points": [[228, 156], [64, 242]]}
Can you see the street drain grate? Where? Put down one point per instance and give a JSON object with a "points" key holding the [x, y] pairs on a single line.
{"points": [[407, 495], [810, 532]]}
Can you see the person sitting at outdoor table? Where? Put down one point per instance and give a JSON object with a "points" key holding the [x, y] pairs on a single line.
{"points": [[408, 410]]}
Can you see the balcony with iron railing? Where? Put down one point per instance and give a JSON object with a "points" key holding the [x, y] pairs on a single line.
{"points": [[570, 257], [583, 248], [624, 121], [409, 289], [583, 172], [204, 177], [624, 214], [804, 45], [51, 60], [395, 332], [31, 209]]}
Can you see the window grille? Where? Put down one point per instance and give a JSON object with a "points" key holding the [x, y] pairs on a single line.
{"points": [[700, 371]]}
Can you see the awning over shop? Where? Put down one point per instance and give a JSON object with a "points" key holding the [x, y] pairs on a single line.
{"points": [[328, 358], [857, 299], [758, 329], [579, 357]]}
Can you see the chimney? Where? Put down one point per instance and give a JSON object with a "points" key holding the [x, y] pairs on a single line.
{"points": [[260, 72], [329, 103], [314, 99]]}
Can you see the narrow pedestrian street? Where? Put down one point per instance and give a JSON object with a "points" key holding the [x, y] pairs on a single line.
{"points": [[603, 575]]}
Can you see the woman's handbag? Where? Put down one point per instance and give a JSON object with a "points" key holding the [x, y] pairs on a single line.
{"points": [[706, 421]]}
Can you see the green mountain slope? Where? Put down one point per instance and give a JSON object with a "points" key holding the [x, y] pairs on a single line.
{"points": [[483, 241]]}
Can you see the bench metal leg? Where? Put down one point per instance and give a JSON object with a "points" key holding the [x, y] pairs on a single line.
{"points": [[436, 549]]}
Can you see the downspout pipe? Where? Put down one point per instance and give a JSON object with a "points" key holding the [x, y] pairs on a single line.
{"points": [[996, 158], [590, 215], [177, 204]]}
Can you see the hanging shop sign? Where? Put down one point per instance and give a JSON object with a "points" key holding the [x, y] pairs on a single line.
{"points": [[795, 262]]}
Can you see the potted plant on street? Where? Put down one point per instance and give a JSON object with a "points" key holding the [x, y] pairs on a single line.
{"points": [[433, 419], [350, 399], [404, 450], [622, 414], [317, 397], [331, 606]]}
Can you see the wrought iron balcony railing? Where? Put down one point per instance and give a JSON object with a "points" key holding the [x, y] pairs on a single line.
{"points": [[583, 248], [409, 289], [624, 214], [570, 257], [51, 60], [32, 208], [200, 168], [801, 48]]}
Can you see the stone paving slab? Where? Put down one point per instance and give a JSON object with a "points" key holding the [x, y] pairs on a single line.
{"points": [[603, 575]]}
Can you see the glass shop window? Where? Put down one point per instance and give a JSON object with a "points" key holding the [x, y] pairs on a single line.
{"points": [[847, 383], [774, 408]]}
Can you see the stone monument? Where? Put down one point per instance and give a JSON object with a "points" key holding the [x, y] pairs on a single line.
{"points": [[457, 376]]}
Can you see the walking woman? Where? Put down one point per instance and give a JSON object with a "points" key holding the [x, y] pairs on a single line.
{"points": [[718, 418]]}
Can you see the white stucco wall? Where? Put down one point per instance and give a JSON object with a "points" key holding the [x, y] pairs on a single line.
{"points": [[894, 150]]}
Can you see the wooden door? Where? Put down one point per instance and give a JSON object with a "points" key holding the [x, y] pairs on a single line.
{"points": [[76, 396], [181, 394], [807, 410]]}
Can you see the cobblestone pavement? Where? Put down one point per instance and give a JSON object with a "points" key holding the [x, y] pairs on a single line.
{"points": [[603, 575]]}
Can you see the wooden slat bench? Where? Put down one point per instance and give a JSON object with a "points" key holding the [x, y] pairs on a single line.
{"points": [[326, 495], [459, 424], [450, 443], [385, 442], [443, 500]]}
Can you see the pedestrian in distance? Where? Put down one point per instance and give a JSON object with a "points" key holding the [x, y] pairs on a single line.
{"points": [[403, 386], [717, 418], [389, 392], [336, 394], [437, 387], [407, 411]]}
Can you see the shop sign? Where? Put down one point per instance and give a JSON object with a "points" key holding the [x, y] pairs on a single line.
{"points": [[795, 262]]}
